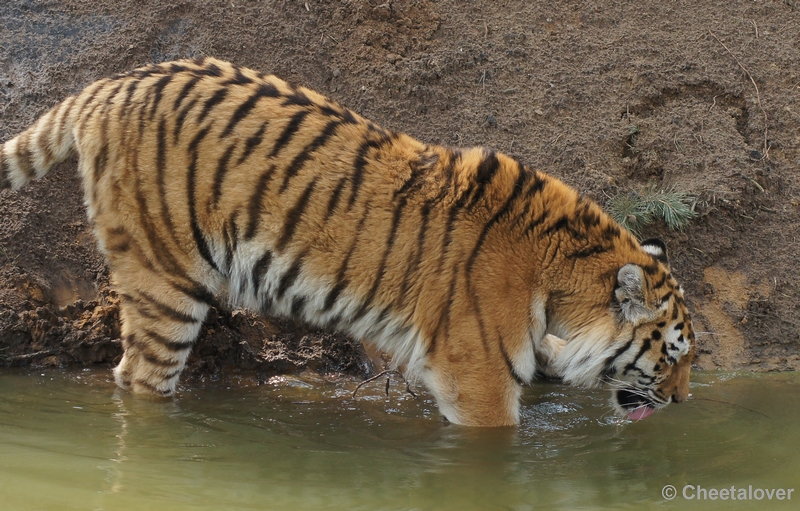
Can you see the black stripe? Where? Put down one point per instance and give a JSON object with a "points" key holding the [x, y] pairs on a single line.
{"points": [[450, 225], [263, 91], [421, 167], [143, 106], [158, 89], [333, 202], [84, 114], [5, 171], [252, 143], [360, 163], [297, 98], [176, 68], [607, 365], [611, 232], [152, 388], [298, 303], [288, 278], [164, 256], [660, 281], [170, 345], [644, 347], [100, 163], [260, 269], [197, 292], [536, 221], [199, 238], [537, 185], [219, 176], [396, 216], [24, 155], [589, 216], [211, 70], [254, 208], [334, 110], [341, 281], [515, 193], [231, 234], [588, 252], [334, 293], [294, 216], [173, 374], [517, 378], [211, 102], [481, 325], [651, 269], [161, 163], [444, 319], [153, 359], [179, 120], [238, 79], [484, 174], [412, 268], [101, 160], [561, 223], [166, 310], [305, 154], [289, 131], [187, 88], [63, 112]]}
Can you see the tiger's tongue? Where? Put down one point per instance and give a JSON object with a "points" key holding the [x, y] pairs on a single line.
{"points": [[641, 413]]}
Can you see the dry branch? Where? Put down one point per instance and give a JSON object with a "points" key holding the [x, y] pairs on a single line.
{"points": [[758, 94]]}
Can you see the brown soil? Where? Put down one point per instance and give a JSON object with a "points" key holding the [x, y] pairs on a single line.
{"points": [[609, 96]]}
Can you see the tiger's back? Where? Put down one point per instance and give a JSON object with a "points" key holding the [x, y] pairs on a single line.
{"points": [[206, 179]]}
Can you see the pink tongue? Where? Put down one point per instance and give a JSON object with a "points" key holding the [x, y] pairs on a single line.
{"points": [[641, 413]]}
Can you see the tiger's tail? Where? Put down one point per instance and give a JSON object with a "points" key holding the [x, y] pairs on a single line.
{"points": [[31, 154]]}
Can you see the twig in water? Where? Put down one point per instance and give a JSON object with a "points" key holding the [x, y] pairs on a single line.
{"points": [[732, 404], [388, 374]]}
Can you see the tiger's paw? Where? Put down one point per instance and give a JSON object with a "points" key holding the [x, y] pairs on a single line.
{"points": [[143, 378], [547, 352]]}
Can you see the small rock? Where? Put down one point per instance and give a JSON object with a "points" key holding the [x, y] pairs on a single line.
{"points": [[491, 120], [336, 72], [755, 155], [383, 12]]}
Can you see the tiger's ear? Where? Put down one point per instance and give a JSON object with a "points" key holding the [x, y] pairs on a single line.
{"points": [[631, 294], [656, 248]]}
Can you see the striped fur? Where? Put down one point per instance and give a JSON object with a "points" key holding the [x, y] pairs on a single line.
{"points": [[204, 179]]}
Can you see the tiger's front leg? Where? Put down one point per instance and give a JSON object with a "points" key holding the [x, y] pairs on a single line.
{"points": [[157, 335]]}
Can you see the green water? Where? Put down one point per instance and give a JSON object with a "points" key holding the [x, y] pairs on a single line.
{"points": [[70, 440]]}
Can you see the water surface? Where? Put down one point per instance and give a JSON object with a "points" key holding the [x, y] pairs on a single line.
{"points": [[71, 440]]}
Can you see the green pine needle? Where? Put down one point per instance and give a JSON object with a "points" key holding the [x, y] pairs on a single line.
{"points": [[635, 210]]}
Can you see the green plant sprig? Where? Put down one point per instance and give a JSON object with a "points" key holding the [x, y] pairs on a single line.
{"points": [[635, 210]]}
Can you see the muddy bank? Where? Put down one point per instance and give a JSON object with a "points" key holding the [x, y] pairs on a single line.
{"points": [[87, 332], [608, 96]]}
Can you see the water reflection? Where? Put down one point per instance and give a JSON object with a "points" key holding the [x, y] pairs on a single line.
{"points": [[72, 440]]}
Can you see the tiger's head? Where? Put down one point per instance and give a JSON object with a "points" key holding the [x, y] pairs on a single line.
{"points": [[639, 342], [650, 369]]}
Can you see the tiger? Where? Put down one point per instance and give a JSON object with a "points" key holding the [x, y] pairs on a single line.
{"points": [[205, 181]]}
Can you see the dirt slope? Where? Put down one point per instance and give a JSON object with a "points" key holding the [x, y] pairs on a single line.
{"points": [[610, 96]]}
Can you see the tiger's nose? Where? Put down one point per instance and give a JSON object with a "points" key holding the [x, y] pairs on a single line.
{"points": [[679, 397]]}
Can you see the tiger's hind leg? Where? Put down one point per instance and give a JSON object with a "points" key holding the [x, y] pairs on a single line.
{"points": [[158, 330]]}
